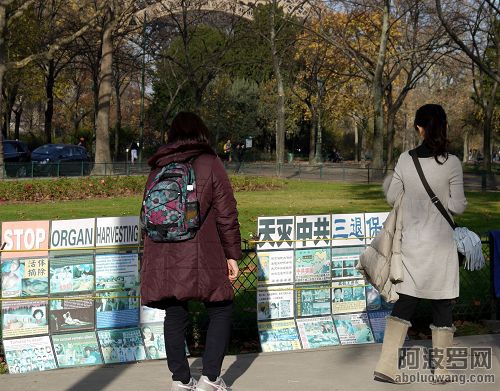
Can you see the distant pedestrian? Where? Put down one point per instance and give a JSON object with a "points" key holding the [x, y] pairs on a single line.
{"points": [[81, 142], [134, 147], [227, 150]]}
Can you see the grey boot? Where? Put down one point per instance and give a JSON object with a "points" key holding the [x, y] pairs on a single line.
{"points": [[442, 338], [387, 369]]}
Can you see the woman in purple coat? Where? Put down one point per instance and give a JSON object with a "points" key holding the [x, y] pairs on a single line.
{"points": [[201, 268]]}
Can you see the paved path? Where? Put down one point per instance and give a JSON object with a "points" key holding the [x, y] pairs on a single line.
{"points": [[340, 368]]}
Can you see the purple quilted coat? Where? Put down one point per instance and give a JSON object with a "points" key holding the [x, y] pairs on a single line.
{"points": [[196, 268]]}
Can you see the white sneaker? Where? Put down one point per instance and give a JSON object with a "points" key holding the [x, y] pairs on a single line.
{"points": [[204, 384], [180, 386]]}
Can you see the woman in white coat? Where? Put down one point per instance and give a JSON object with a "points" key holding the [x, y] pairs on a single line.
{"points": [[429, 253]]}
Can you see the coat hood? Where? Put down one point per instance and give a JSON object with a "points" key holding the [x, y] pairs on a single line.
{"points": [[179, 151]]}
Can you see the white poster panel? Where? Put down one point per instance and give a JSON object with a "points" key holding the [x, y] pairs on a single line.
{"points": [[312, 265], [117, 231], [348, 229], [151, 315], [276, 233], [121, 345], [29, 354], [312, 231], [275, 267], [275, 302], [353, 328], [374, 223], [278, 336], [72, 233], [348, 296], [344, 261], [116, 271], [317, 332]]}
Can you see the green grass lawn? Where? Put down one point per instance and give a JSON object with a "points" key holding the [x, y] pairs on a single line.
{"points": [[295, 198]]}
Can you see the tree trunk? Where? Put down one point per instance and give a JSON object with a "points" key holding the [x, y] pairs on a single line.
{"points": [[49, 91], [391, 130], [7, 115], [118, 125], [356, 140], [280, 106], [465, 159], [3, 70], [312, 134], [103, 162], [18, 113], [489, 108], [378, 91]]}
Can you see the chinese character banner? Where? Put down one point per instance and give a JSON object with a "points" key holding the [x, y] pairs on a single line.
{"points": [[310, 293]]}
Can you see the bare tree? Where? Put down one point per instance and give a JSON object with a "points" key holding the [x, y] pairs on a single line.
{"points": [[10, 11], [474, 26]]}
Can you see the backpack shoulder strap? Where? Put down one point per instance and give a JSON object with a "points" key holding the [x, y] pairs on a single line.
{"points": [[435, 200]]}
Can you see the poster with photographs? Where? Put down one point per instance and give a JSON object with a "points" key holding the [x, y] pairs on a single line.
{"points": [[275, 267], [374, 222], [25, 238], [276, 233], [154, 340], [151, 315], [313, 299], [278, 336], [344, 262], [117, 231], [353, 328], [117, 309], [275, 302], [29, 354], [378, 321], [76, 350], [23, 318], [348, 229], [67, 315], [348, 296], [72, 273], [25, 277], [122, 345], [117, 271], [312, 265], [317, 332], [312, 231]]}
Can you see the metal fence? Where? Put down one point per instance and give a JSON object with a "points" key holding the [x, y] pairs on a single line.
{"points": [[336, 172]]}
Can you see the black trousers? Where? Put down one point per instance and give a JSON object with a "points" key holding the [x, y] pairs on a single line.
{"points": [[217, 341], [442, 316]]}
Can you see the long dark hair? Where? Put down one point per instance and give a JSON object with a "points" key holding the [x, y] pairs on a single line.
{"points": [[432, 118], [187, 126]]}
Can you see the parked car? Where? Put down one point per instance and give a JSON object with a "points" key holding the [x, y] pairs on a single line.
{"points": [[16, 156], [60, 160]]}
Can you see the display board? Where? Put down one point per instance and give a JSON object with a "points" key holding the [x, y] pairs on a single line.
{"points": [[70, 295], [310, 294]]}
